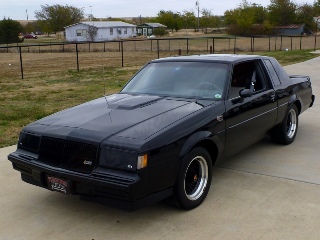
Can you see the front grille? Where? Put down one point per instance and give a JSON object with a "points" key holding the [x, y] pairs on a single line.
{"points": [[68, 155]]}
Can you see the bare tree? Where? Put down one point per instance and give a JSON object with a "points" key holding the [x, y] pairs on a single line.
{"points": [[92, 33]]}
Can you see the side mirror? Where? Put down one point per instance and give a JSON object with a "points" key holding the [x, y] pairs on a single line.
{"points": [[245, 93]]}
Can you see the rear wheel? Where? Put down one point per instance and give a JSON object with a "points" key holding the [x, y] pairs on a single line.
{"points": [[194, 179], [287, 131]]}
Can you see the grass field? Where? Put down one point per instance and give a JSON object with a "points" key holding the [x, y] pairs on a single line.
{"points": [[52, 83]]}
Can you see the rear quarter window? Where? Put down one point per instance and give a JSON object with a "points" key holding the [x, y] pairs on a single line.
{"points": [[273, 74]]}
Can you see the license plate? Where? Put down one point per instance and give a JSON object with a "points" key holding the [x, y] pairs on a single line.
{"points": [[58, 185]]}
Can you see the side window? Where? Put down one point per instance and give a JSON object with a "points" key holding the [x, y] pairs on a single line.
{"points": [[273, 73], [247, 75]]}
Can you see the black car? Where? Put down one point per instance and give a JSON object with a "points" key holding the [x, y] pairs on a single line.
{"points": [[161, 134]]}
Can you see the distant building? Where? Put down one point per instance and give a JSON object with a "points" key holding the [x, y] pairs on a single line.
{"points": [[290, 30], [147, 29], [105, 31]]}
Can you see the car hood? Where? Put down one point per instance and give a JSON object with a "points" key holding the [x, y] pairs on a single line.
{"points": [[123, 115]]}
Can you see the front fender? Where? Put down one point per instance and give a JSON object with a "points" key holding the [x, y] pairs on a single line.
{"points": [[198, 137]]}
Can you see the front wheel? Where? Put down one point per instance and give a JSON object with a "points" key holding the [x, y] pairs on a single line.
{"points": [[194, 179], [287, 131]]}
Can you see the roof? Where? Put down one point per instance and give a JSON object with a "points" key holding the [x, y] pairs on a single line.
{"points": [[155, 25], [211, 58], [292, 26], [105, 24]]}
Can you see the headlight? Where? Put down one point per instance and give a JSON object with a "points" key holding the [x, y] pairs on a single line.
{"points": [[122, 159], [29, 142]]}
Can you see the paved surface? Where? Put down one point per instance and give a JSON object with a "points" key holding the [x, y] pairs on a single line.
{"points": [[265, 192]]}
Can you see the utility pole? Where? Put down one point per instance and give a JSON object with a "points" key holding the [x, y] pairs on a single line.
{"points": [[90, 13], [198, 8], [27, 16]]}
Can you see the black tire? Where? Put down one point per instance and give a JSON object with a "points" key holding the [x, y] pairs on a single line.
{"points": [[287, 131], [194, 179]]}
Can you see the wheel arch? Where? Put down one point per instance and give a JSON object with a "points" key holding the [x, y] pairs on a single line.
{"points": [[204, 139], [295, 100]]}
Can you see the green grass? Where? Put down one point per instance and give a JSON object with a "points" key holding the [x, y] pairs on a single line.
{"points": [[290, 57], [24, 101]]}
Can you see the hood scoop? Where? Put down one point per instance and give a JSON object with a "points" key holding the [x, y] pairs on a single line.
{"points": [[134, 102]]}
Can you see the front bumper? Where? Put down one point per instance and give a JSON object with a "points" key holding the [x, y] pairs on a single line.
{"points": [[123, 190]]}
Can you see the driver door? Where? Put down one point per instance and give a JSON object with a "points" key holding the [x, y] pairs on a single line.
{"points": [[248, 119]]}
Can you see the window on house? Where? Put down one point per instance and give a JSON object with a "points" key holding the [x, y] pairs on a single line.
{"points": [[125, 31], [133, 30], [111, 31], [150, 31], [81, 32], [119, 31]]}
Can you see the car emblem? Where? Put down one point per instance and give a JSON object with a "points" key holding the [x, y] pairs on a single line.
{"points": [[87, 162], [220, 118]]}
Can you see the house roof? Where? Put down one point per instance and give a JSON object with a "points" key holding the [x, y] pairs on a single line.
{"points": [[292, 26], [155, 25], [105, 24]]}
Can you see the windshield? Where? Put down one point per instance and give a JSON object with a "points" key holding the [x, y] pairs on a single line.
{"points": [[180, 79]]}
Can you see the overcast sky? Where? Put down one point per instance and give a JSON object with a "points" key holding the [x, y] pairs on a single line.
{"points": [[16, 9]]}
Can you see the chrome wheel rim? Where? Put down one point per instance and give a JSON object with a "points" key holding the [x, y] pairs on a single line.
{"points": [[196, 178], [291, 123]]}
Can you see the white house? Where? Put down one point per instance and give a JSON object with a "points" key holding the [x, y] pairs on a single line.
{"points": [[99, 31]]}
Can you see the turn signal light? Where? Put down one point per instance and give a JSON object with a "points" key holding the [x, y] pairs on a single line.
{"points": [[142, 161]]}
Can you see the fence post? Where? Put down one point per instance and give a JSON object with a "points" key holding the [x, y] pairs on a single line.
{"points": [[104, 47], [269, 43], [179, 52], [213, 45], [252, 44], [89, 46], [50, 47], [315, 41], [7, 48], [77, 57], [275, 43], [291, 42], [21, 67], [208, 44], [151, 45], [187, 46], [280, 42], [158, 48], [235, 45], [122, 54], [300, 41], [169, 46], [210, 49]]}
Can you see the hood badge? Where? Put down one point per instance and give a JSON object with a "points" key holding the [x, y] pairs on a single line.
{"points": [[85, 162]]}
